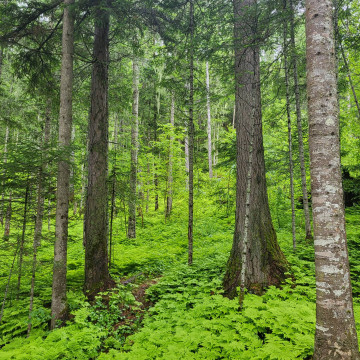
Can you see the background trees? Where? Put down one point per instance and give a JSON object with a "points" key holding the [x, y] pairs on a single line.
{"points": [[173, 45]]}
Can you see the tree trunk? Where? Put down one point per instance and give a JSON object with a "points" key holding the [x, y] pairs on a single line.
{"points": [[350, 79], [96, 213], [288, 114], [191, 135], [21, 250], [39, 212], [170, 169], [134, 152], [265, 263], [335, 336], [4, 173], [209, 120], [308, 234], [8, 218], [58, 300]]}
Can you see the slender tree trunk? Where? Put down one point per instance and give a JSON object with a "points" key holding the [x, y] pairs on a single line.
{"points": [[134, 152], [350, 79], [209, 120], [4, 173], [8, 218], [191, 134], [96, 213], [288, 114], [8, 282], [170, 169], [308, 234], [39, 213], [21, 251], [58, 300], [335, 336], [254, 232]]}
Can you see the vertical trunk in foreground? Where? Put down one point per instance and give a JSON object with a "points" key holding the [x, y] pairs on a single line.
{"points": [[308, 234], [191, 131], [208, 120], [265, 263], [134, 152], [96, 213], [58, 300], [335, 336]]}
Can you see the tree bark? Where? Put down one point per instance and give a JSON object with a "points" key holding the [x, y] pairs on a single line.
{"points": [[208, 120], [58, 300], [96, 213], [191, 135], [170, 168], [4, 172], [265, 263], [335, 336], [308, 233], [288, 114], [134, 152], [39, 212]]}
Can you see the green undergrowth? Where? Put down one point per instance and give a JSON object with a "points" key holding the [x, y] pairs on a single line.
{"points": [[188, 317]]}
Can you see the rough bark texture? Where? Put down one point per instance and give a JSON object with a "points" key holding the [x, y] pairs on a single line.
{"points": [[335, 336], [96, 212], [208, 120], [4, 173], [58, 301], [134, 152], [191, 132], [308, 233], [265, 264]]}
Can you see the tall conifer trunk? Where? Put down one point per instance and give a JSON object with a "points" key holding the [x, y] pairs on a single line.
{"points": [[170, 167], [308, 234], [191, 135], [96, 212], [208, 120], [335, 336], [134, 152], [58, 301], [265, 263]]}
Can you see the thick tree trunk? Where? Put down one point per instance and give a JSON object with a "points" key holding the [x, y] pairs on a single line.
{"points": [[308, 234], [170, 168], [209, 143], [265, 263], [58, 301], [335, 336], [4, 161], [8, 218], [288, 114], [96, 213], [191, 134], [134, 152]]}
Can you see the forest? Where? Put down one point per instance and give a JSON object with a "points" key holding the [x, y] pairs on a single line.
{"points": [[179, 179]]}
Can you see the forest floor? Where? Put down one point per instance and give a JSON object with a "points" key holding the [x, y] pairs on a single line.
{"points": [[161, 308]]}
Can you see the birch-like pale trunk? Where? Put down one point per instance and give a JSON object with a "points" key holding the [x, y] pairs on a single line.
{"points": [[308, 233], [134, 152], [191, 134], [209, 142], [97, 275], [335, 336], [170, 167], [58, 300], [288, 115]]}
